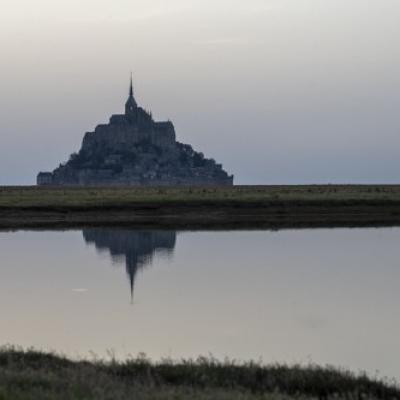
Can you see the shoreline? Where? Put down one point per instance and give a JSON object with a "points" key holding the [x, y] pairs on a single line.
{"points": [[238, 207], [204, 219]]}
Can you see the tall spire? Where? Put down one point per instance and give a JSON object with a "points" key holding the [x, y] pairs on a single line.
{"points": [[131, 87], [130, 105]]}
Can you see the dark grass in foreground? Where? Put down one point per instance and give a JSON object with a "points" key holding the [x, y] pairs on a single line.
{"points": [[36, 375]]}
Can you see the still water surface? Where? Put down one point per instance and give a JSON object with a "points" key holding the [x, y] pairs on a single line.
{"points": [[325, 295]]}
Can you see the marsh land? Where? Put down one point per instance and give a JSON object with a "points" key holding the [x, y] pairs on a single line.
{"points": [[35, 375], [201, 207]]}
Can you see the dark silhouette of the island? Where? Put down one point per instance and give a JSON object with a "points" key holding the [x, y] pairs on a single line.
{"points": [[138, 247], [134, 150]]}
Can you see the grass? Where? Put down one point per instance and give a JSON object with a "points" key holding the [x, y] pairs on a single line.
{"points": [[266, 207], [88, 197], [36, 375]]}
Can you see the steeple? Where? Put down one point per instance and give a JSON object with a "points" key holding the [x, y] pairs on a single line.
{"points": [[131, 87], [130, 105]]}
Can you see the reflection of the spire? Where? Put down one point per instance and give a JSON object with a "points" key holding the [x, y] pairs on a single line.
{"points": [[137, 247]]}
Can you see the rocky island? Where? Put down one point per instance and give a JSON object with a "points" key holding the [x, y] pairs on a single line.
{"points": [[134, 150]]}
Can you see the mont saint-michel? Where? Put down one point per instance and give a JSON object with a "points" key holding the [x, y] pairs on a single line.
{"points": [[134, 150]]}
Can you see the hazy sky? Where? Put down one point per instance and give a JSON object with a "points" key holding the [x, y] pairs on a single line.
{"points": [[279, 91]]}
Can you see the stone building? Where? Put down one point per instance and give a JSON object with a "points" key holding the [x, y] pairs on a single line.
{"points": [[134, 150]]}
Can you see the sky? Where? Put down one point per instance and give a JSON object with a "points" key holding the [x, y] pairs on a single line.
{"points": [[278, 91]]}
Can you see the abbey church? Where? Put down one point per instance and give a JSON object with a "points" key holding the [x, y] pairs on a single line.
{"points": [[133, 150]]}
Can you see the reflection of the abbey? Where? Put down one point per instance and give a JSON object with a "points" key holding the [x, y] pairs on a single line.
{"points": [[138, 247]]}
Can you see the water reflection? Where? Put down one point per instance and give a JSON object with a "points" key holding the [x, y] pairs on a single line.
{"points": [[137, 247], [327, 295]]}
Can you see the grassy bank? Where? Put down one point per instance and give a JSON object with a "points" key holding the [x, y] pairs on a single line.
{"points": [[35, 375], [91, 198], [208, 207]]}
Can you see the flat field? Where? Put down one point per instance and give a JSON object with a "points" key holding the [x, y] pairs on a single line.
{"points": [[99, 197], [201, 207]]}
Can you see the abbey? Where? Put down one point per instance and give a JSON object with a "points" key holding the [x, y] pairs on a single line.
{"points": [[133, 149]]}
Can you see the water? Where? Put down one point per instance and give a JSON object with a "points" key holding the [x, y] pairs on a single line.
{"points": [[326, 295]]}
